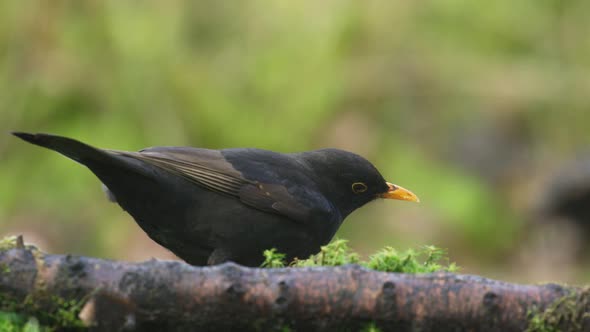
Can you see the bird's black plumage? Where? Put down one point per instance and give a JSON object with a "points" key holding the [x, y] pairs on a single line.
{"points": [[211, 206]]}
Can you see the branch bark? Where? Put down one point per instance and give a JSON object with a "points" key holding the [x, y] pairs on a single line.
{"points": [[174, 296]]}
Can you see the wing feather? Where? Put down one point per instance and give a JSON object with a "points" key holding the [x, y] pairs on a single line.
{"points": [[209, 169], [193, 171]]}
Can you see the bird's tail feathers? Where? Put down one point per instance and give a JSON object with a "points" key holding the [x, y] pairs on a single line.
{"points": [[70, 148]]}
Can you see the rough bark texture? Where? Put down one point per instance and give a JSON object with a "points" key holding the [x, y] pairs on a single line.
{"points": [[172, 296]]}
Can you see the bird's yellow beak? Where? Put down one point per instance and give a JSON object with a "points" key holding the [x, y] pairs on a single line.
{"points": [[397, 192]]}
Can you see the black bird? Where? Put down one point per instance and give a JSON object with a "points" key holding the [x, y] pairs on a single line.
{"points": [[212, 206]]}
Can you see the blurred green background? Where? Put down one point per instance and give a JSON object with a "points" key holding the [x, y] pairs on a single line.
{"points": [[476, 107]]}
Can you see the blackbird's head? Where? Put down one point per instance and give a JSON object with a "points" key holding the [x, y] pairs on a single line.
{"points": [[350, 181]]}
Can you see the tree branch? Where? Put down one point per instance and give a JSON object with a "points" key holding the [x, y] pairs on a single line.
{"points": [[168, 295]]}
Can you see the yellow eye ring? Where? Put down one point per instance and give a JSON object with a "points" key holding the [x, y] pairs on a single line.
{"points": [[359, 187]]}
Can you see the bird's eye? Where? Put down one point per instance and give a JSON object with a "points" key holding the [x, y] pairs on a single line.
{"points": [[359, 187]]}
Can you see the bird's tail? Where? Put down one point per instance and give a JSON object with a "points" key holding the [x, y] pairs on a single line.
{"points": [[70, 148]]}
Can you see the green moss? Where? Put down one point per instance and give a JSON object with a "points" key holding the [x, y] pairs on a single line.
{"points": [[566, 313], [15, 241], [286, 329], [30, 315], [334, 253], [8, 242], [66, 313], [38, 311], [424, 260], [273, 259], [371, 327]]}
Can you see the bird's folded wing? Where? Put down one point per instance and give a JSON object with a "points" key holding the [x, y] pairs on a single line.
{"points": [[201, 173], [209, 169]]}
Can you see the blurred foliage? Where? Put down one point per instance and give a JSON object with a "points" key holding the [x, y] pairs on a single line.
{"points": [[13, 322], [468, 104]]}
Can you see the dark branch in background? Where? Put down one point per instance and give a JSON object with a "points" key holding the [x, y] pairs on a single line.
{"points": [[170, 296]]}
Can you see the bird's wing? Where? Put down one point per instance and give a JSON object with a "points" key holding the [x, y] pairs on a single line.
{"points": [[201, 166], [209, 168]]}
